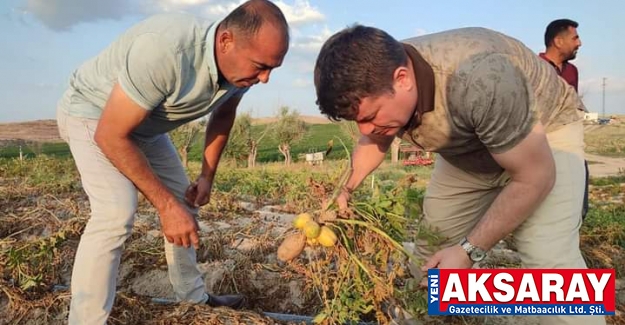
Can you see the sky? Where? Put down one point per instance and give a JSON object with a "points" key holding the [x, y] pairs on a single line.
{"points": [[43, 41]]}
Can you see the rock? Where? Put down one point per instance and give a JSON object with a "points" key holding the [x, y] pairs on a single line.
{"points": [[222, 225], [247, 206], [213, 226], [154, 234], [295, 295], [125, 269], [214, 273], [245, 244], [278, 231], [282, 218], [620, 292], [153, 283], [204, 226], [270, 208], [243, 221]]}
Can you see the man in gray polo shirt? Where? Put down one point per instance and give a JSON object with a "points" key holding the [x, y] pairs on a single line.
{"points": [[166, 71], [507, 129]]}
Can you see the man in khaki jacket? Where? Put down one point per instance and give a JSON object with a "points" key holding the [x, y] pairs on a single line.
{"points": [[508, 133]]}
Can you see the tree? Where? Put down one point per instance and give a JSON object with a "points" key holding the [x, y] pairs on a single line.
{"points": [[240, 135], [185, 136], [288, 130], [242, 144], [395, 150], [253, 147]]}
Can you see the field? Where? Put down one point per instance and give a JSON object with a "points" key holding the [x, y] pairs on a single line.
{"points": [[44, 211], [44, 140], [606, 140]]}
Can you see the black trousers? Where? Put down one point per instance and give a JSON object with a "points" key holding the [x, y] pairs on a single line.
{"points": [[585, 205]]}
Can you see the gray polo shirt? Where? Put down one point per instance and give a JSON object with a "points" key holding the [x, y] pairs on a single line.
{"points": [[165, 64]]}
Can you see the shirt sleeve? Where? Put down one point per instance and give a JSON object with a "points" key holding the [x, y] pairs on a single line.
{"points": [[149, 71], [500, 103]]}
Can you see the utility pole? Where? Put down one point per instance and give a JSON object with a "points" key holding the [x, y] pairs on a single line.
{"points": [[603, 100]]}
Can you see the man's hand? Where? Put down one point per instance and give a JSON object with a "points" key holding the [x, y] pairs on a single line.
{"points": [[198, 193], [179, 226], [343, 199], [454, 257], [368, 155]]}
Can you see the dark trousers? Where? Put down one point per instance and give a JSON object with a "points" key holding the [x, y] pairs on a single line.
{"points": [[585, 205]]}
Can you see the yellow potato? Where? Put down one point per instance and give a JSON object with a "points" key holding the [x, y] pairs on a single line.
{"points": [[327, 237], [300, 221], [312, 229], [312, 242]]}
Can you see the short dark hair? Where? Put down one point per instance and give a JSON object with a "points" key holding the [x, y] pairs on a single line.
{"points": [[556, 27], [355, 63], [251, 15]]}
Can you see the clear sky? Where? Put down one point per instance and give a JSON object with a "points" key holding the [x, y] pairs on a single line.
{"points": [[43, 41]]}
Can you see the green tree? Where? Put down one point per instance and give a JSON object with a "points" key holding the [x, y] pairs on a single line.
{"points": [[184, 136], [288, 130], [242, 143], [239, 138], [253, 146]]}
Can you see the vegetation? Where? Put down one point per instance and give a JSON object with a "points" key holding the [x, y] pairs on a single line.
{"points": [[44, 210], [352, 277], [32, 149], [606, 140], [266, 144], [185, 136], [288, 130]]}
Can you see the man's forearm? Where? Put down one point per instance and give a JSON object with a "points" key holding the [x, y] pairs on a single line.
{"points": [[511, 208], [368, 155], [217, 133], [129, 160]]}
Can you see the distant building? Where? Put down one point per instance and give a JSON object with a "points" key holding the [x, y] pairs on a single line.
{"points": [[592, 117]]}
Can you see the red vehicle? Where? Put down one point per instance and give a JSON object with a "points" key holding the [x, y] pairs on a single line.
{"points": [[415, 156]]}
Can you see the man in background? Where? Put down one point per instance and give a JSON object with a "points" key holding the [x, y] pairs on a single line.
{"points": [[562, 43]]}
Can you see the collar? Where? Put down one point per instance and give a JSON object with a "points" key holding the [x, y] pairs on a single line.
{"points": [[425, 86], [210, 54], [543, 55]]}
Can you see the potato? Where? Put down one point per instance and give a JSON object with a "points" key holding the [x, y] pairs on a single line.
{"points": [[291, 247], [300, 221], [327, 237], [311, 242], [311, 229]]}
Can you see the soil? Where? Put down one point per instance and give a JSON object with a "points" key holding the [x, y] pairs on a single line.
{"points": [[600, 166], [237, 255], [32, 131]]}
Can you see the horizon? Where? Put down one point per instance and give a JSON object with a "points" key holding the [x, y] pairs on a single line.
{"points": [[48, 39]]}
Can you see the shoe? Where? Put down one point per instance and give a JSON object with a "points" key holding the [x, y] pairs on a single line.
{"points": [[230, 301]]}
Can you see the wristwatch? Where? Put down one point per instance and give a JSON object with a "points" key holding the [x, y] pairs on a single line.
{"points": [[475, 253]]}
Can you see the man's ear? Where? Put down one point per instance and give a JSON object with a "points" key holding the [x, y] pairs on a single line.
{"points": [[558, 41], [401, 78], [225, 40]]}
